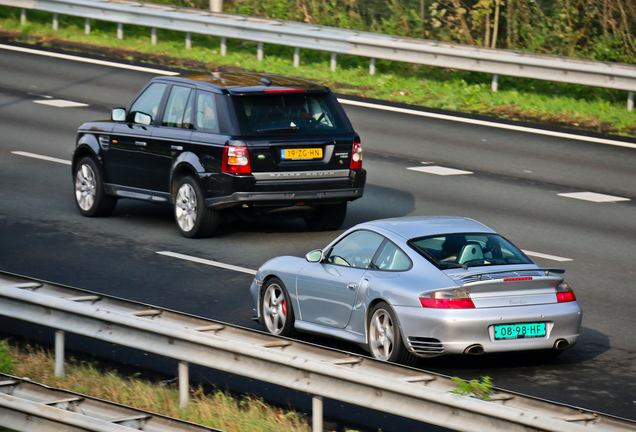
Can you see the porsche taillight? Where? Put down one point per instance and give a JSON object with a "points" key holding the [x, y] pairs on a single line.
{"points": [[447, 299], [356, 156], [565, 293], [236, 160]]}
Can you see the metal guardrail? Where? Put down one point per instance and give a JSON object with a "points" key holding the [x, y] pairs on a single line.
{"points": [[27, 406], [341, 41], [385, 387]]}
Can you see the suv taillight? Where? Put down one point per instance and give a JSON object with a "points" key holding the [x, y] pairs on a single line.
{"points": [[565, 293], [447, 299], [236, 160], [356, 156]]}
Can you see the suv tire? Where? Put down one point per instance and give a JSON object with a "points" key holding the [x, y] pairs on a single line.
{"points": [[326, 217], [90, 197], [193, 218]]}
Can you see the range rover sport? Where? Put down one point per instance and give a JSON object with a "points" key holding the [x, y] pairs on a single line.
{"points": [[223, 145]]}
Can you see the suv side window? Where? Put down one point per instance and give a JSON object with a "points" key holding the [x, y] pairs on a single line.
{"points": [[179, 108], [148, 102], [356, 250], [206, 118]]}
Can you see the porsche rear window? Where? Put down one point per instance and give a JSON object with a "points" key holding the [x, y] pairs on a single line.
{"points": [[467, 250]]}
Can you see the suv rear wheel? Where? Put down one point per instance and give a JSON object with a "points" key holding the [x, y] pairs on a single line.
{"points": [[326, 217], [193, 218], [90, 197]]}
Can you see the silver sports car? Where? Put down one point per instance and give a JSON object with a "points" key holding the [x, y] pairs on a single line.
{"points": [[419, 286]]}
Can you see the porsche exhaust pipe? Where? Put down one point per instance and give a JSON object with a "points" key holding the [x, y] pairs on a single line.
{"points": [[561, 344], [474, 350]]}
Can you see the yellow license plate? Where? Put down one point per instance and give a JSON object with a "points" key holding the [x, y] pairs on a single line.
{"points": [[302, 153]]}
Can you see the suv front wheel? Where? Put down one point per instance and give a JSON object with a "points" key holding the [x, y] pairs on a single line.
{"points": [[90, 197], [193, 218]]}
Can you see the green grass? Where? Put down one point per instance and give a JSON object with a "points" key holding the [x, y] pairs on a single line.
{"points": [[209, 407], [581, 107]]}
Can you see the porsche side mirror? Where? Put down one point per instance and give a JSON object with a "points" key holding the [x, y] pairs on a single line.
{"points": [[314, 256]]}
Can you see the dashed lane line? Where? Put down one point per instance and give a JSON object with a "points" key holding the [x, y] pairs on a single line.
{"points": [[593, 197], [60, 103], [439, 170], [41, 157], [207, 262]]}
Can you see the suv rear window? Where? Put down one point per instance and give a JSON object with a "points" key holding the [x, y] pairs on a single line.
{"points": [[288, 113]]}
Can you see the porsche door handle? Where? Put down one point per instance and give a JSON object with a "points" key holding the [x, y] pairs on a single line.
{"points": [[352, 287]]}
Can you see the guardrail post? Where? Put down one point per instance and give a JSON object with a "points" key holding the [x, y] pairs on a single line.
{"points": [[153, 36], [120, 31], [87, 26], [184, 383], [188, 40], [495, 83], [59, 353], [296, 57], [55, 22], [316, 414], [334, 61], [223, 46], [23, 18], [372, 67], [259, 52], [630, 101]]}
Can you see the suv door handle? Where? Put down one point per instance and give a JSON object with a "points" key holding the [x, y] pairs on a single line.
{"points": [[140, 143], [175, 147]]}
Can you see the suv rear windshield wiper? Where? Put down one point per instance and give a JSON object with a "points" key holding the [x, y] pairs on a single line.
{"points": [[282, 129]]}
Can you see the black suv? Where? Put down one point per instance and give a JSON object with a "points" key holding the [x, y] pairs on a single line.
{"points": [[223, 144]]}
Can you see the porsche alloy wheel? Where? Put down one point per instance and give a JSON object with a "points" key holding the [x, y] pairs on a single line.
{"points": [[276, 310]]}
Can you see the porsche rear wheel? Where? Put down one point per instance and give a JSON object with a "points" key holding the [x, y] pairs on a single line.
{"points": [[384, 338], [276, 308]]}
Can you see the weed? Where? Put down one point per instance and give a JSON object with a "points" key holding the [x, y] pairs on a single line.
{"points": [[474, 388]]}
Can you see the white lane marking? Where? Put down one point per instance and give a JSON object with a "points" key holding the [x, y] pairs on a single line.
{"points": [[594, 197], [439, 170], [60, 103], [41, 157], [546, 256], [87, 60], [490, 124], [207, 262]]}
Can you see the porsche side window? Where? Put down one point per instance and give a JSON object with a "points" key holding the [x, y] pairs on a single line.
{"points": [[148, 102], [390, 257], [356, 250]]}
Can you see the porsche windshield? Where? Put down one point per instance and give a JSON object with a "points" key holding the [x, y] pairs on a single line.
{"points": [[468, 250]]}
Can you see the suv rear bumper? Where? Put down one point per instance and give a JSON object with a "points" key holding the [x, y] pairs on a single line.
{"points": [[284, 199]]}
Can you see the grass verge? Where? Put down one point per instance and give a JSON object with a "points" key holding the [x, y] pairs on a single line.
{"points": [[214, 408], [579, 107]]}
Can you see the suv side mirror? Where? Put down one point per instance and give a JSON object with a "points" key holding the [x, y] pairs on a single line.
{"points": [[118, 114], [314, 256], [142, 118]]}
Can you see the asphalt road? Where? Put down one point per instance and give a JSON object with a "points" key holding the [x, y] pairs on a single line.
{"points": [[514, 184]]}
